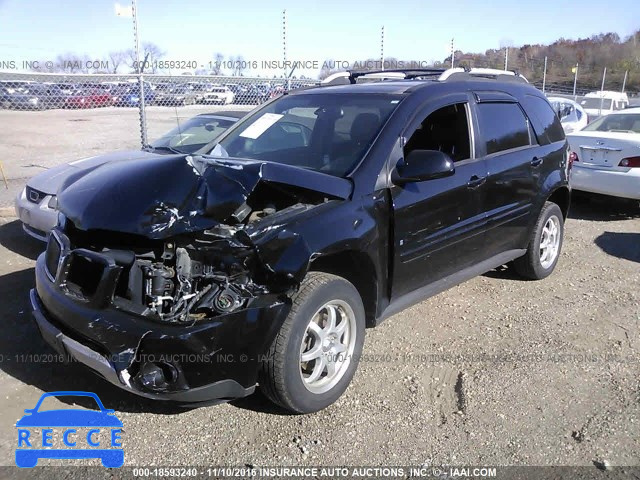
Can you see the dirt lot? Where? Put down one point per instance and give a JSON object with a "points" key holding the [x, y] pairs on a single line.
{"points": [[497, 371]]}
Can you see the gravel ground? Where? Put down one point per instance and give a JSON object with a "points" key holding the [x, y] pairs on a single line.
{"points": [[496, 371]]}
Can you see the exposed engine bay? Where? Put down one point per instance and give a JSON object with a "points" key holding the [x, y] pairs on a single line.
{"points": [[189, 277], [210, 275], [182, 289]]}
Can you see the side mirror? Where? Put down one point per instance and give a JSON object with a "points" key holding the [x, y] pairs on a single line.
{"points": [[421, 165]]}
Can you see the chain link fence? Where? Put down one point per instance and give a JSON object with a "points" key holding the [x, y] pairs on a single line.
{"points": [[50, 119], [35, 91], [40, 91]]}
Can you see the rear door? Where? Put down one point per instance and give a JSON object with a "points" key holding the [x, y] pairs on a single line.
{"points": [[513, 160], [438, 224]]}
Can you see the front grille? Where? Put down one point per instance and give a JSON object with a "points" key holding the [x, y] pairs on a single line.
{"points": [[52, 257], [33, 195]]}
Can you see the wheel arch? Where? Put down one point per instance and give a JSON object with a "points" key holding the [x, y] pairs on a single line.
{"points": [[561, 197], [358, 269]]}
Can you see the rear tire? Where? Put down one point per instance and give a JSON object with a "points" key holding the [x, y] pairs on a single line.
{"points": [[545, 245], [316, 352]]}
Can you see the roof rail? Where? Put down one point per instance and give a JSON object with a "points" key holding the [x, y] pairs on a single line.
{"points": [[493, 73], [399, 73], [439, 74]]}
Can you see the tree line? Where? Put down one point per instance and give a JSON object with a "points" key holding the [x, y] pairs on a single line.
{"points": [[591, 55]]}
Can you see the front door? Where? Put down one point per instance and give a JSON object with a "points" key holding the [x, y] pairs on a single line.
{"points": [[438, 224]]}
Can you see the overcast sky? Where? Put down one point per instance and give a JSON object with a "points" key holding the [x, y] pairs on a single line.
{"points": [[338, 29]]}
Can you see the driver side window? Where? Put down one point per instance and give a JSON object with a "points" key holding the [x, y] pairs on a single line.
{"points": [[445, 130]]}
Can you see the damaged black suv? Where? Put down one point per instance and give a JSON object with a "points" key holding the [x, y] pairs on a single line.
{"points": [[260, 260]]}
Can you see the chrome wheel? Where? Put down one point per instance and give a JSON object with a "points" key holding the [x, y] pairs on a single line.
{"points": [[550, 242], [327, 346]]}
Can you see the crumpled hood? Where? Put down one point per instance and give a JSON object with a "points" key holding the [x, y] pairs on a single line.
{"points": [[167, 195], [52, 179]]}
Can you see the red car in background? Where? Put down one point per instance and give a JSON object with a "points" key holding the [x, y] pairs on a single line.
{"points": [[89, 98]]}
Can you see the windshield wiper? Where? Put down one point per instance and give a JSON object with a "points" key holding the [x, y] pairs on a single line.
{"points": [[149, 148]]}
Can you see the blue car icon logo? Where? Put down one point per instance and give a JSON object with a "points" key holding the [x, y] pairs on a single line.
{"points": [[82, 433]]}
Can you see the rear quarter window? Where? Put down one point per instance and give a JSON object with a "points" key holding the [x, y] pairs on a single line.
{"points": [[544, 120]]}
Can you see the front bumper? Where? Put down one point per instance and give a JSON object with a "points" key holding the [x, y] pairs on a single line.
{"points": [[37, 218], [606, 181], [209, 360], [97, 362]]}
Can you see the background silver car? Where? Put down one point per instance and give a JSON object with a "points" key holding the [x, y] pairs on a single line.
{"points": [[36, 204]]}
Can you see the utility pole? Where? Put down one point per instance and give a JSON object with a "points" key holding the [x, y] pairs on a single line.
{"points": [[139, 70], [382, 49], [544, 75], [506, 57], [604, 75], [575, 82], [624, 80], [284, 43], [452, 53]]}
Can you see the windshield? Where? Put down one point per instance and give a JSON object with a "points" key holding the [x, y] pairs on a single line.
{"points": [[593, 103], [193, 134], [620, 122], [325, 132]]}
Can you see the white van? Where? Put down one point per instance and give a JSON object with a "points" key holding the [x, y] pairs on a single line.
{"points": [[597, 104]]}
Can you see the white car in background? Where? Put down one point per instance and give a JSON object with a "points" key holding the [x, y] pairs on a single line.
{"points": [[597, 104], [218, 94], [572, 116], [606, 155]]}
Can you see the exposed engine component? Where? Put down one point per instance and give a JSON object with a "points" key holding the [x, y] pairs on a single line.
{"points": [[258, 214], [181, 289], [227, 300]]}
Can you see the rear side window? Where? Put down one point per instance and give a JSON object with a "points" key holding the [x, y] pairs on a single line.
{"points": [[545, 121], [503, 126]]}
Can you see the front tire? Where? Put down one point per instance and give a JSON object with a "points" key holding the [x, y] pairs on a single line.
{"points": [[316, 352], [545, 244]]}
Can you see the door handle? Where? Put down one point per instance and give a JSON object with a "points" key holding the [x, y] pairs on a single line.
{"points": [[537, 161], [476, 181]]}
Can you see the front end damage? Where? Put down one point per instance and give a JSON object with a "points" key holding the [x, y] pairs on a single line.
{"points": [[171, 277]]}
